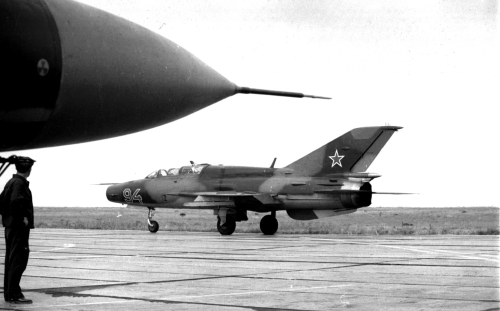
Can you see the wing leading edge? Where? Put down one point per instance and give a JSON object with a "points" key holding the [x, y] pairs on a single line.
{"points": [[225, 199]]}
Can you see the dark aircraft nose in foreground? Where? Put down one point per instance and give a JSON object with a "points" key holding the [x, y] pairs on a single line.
{"points": [[72, 73]]}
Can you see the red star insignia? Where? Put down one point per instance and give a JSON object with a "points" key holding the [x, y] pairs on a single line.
{"points": [[336, 158]]}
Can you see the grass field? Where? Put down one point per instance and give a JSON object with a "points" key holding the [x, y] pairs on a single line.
{"points": [[368, 221]]}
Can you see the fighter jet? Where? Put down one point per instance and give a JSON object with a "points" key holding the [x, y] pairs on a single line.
{"points": [[329, 181], [72, 73]]}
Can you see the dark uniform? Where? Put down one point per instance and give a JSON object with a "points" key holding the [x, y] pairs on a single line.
{"points": [[17, 205]]}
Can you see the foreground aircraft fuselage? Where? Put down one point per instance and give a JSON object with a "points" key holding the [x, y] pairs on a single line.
{"points": [[330, 181], [72, 73]]}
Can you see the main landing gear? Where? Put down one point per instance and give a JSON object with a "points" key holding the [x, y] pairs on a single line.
{"points": [[152, 225], [228, 227], [269, 224], [226, 221], [227, 218]]}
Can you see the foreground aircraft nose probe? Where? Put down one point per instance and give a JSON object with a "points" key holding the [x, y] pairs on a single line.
{"points": [[72, 73], [247, 90], [329, 181]]}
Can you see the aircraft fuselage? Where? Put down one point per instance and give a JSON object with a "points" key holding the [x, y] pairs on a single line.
{"points": [[286, 190], [330, 181]]}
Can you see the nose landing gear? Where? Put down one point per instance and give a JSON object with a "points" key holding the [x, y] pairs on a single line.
{"points": [[152, 225]]}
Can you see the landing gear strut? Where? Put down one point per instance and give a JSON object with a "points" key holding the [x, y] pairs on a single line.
{"points": [[152, 225], [269, 224]]}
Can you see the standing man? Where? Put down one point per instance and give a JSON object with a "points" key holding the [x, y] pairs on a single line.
{"points": [[17, 218]]}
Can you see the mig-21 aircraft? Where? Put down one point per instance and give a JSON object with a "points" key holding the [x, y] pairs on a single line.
{"points": [[329, 181]]}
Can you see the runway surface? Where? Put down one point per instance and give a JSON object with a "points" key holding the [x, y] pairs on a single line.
{"points": [[134, 270]]}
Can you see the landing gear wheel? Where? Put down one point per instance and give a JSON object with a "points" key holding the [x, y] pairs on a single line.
{"points": [[268, 225], [227, 228], [153, 227]]}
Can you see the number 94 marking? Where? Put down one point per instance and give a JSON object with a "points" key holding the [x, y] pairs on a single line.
{"points": [[130, 198]]}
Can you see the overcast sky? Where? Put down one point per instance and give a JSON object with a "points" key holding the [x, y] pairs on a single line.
{"points": [[429, 66]]}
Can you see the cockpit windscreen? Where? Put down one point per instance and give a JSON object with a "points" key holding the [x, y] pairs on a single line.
{"points": [[193, 169]]}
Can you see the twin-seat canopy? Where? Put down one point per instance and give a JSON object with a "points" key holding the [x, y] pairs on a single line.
{"points": [[193, 169]]}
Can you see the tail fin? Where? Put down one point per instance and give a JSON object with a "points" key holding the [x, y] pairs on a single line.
{"points": [[352, 152]]}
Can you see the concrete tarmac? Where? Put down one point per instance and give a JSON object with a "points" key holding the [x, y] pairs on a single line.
{"points": [[134, 270]]}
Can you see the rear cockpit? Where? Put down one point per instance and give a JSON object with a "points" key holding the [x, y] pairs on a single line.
{"points": [[193, 169]]}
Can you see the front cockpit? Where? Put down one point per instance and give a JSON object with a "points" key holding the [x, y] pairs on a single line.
{"points": [[193, 169]]}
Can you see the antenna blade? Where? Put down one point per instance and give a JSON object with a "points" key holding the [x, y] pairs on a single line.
{"points": [[274, 161]]}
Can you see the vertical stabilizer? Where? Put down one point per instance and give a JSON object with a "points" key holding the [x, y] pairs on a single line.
{"points": [[352, 152]]}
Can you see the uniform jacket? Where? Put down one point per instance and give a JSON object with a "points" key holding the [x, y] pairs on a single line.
{"points": [[17, 203]]}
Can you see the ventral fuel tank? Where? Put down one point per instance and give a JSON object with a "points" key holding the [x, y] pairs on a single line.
{"points": [[72, 73]]}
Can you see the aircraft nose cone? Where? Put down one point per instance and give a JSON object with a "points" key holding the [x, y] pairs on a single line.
{"points": [[113, 193], [92, 75], [122, 78]]}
